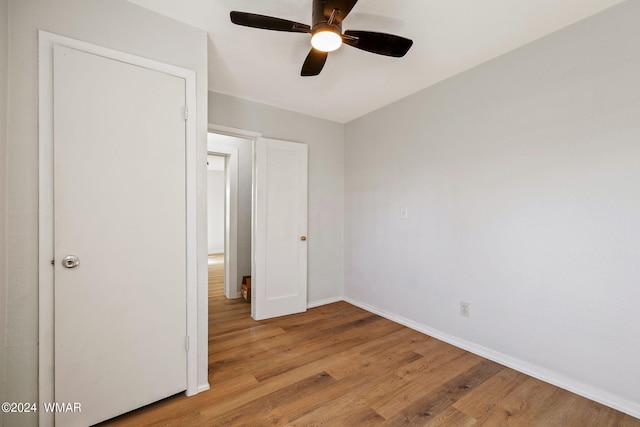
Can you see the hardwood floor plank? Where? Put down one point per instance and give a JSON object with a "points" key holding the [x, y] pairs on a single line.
{"points": [[271, 362], [366, 382], [430, 406], [338, 408], [589, 413], [487, 396], [266, 408], [558, 411], [434, 360], [521, 405], [336, 341], [395, 336], [363, 417], [244, 398], [451, 417], [215, 267], [294, 338], [423, 383]]}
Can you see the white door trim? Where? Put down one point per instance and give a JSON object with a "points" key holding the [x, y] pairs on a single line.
{"points": [[46, 41], [229, 131], [231, 289]]}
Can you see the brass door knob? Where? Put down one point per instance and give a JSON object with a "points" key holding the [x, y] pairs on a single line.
{"points": [[303, 238]]}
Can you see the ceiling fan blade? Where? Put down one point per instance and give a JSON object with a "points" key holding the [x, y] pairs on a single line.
{"points": [[268, 22], [380, 43], [344, 6], [314, 63]]}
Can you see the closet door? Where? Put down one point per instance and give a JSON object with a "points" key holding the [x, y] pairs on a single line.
{"points": [[119, 233]]}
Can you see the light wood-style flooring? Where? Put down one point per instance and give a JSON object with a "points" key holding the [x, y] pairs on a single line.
{"points": [[338, 365], [215, 265]]}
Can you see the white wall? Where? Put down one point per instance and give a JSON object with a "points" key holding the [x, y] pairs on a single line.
{"points": [[245, 164], [326, 171], [521, 178], [4, 61], [215, 211], [116, 24]]}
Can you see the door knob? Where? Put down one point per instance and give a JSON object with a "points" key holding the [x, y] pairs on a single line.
{"points": [[70, 261], [303, 238]]}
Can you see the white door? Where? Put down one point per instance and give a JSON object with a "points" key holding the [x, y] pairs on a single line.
{"points": [[280, 283], [119, 207]]}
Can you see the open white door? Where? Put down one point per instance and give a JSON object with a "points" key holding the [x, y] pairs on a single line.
{"points": [[280, 229], [119, 209]]}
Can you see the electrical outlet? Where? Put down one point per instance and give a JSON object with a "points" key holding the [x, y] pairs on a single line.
{"points": [[465, 309]]}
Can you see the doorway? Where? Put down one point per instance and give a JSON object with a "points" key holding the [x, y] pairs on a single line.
{"points": [[265, 221], [216, 201], [229, 203]]}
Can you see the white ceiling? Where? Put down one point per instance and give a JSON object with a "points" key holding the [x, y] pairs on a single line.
{"points": [[449, 36]]}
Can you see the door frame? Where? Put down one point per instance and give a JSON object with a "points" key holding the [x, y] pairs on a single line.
{"points": [[252, 137], [46, 307], [230, 155]]}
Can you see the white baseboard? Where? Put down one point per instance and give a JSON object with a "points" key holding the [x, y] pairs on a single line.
{"points": [[319, 302], [203, 387], [532, 370]]}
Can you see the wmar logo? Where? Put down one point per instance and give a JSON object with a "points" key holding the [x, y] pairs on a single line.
{"points": [[62, 407]]}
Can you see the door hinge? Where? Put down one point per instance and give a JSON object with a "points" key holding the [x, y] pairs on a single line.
{"points": [[186, 343], [186, 112]]}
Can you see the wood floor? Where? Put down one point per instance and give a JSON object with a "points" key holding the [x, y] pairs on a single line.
{"points": [[338, 365], [216, 275]]}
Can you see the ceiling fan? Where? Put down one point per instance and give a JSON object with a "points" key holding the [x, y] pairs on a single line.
{"points": [[326, 33]]}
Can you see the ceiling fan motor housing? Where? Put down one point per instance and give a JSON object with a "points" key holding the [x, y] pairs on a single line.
{"points": [[320, 19], [323, 26]]}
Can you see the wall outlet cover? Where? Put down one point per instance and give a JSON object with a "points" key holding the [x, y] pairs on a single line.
{"points": [[465, 309]]}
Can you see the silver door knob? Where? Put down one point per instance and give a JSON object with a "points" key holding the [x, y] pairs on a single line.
{"points": [[70, 261]]}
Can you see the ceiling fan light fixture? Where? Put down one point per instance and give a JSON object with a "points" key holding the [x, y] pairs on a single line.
{"points": [[326, 33], [326, 40]]}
